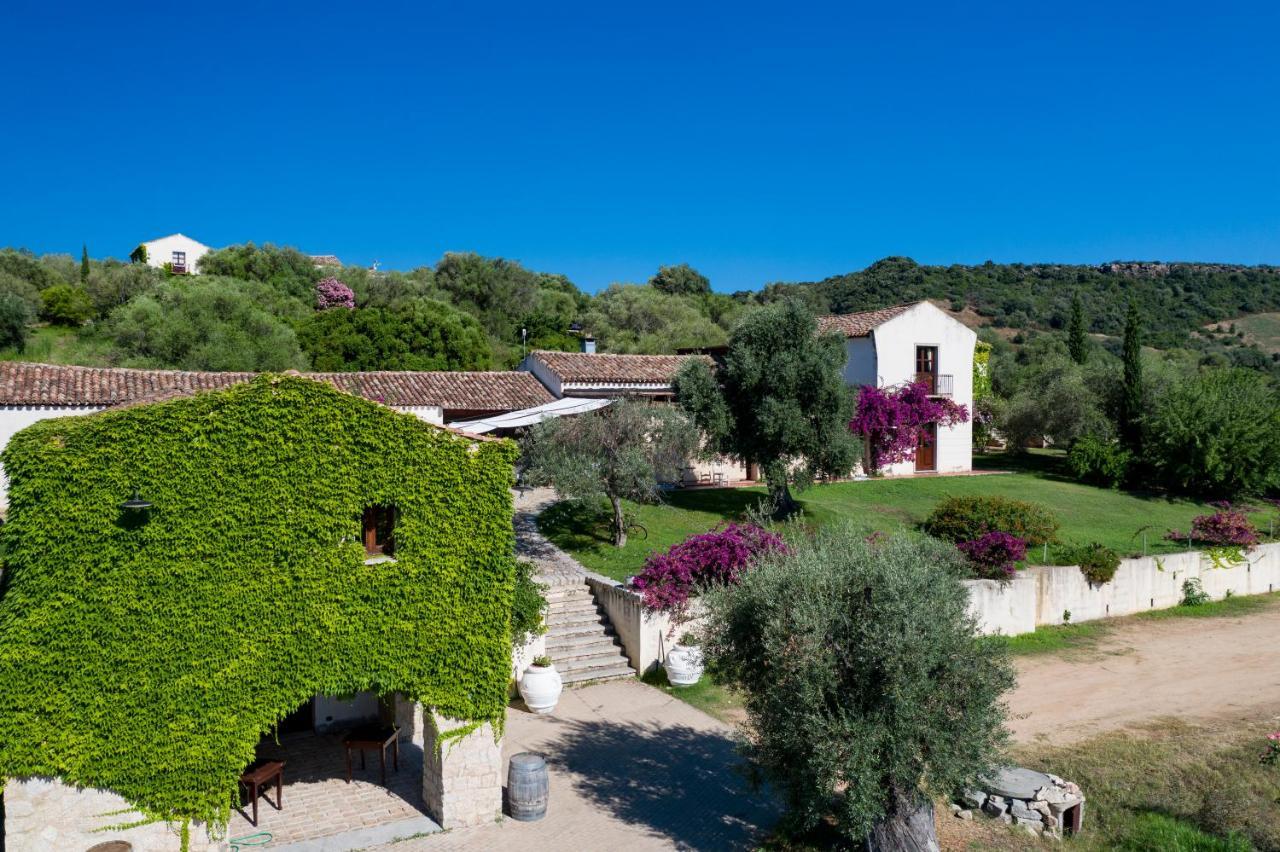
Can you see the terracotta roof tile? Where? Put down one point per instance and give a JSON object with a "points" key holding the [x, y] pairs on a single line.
{"points": [[596, 368], [23, 383], [860, 324]]}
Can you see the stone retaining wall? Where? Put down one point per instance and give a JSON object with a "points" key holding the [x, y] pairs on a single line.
{"points": [[43, 814], [1044, 594], [646, 636]]}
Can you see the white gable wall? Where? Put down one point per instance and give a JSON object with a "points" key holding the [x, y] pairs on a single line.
{"points": [[160, 252], [860, 362], [895, 343], [544, 374]]}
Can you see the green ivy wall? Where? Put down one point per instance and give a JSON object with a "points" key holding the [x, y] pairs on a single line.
{"points": [[148, 653]]}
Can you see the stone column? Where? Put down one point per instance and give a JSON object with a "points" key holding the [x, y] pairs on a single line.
{"points": [[408, 718], [461, 776]]}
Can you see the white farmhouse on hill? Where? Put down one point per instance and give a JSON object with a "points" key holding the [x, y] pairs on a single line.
{"points": [[176, 252], [918, 342]]}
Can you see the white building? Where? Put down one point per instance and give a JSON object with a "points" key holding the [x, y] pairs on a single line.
{"points": [[918, 342], [178, 252]]}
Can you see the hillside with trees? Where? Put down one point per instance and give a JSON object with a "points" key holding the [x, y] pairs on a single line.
{"points": [[1176, 301], [272, 308]]}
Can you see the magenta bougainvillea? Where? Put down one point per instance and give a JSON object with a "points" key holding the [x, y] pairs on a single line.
{"points": [[890, 420], [994, 555], [718, 557], [1227, 526], [332, 293]]}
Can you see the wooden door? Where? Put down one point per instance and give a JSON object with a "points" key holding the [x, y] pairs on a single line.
{"points": [[927, 449]]}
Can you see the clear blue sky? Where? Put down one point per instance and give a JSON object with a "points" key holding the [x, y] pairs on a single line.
{"points": [[758, 142]]}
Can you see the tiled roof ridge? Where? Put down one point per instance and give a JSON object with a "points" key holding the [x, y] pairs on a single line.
{"points": [[612, 368], [29, 383], [861, 323]]}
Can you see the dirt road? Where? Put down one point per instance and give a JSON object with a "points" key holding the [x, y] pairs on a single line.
{"points": [[1194, 668]]}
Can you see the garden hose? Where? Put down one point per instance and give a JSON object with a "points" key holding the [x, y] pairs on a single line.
{"points": [[261, 838]]}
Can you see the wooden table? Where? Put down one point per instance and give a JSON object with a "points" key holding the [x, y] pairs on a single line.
{"points": [[259, 777], [374, 737]]}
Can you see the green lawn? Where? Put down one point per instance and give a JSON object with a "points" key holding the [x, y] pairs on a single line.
{"points": [[1114, 518]]}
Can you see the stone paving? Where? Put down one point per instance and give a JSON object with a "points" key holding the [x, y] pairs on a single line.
{"points": [[319, 802], [555, 567], [631, 768]]}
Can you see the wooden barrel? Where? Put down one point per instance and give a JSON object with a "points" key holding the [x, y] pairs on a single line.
{"points": [[112, 846], [527, 789]]}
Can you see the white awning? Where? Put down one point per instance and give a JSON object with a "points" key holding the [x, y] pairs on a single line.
{"points": [[529, 416]]}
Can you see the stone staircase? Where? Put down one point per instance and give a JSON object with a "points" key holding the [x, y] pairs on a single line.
{"points": [[580, 639]]}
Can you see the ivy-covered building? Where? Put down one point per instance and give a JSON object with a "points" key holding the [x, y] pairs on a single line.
{"points": [[181, 576]]}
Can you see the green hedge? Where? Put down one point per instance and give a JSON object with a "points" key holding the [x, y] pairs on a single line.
{"points": [[148, 653]]}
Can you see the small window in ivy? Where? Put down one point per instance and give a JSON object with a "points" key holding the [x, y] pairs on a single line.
{"points": [[379, 530]]}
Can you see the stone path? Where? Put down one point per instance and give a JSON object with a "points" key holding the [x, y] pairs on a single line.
{"points": [[555, 567], [631, 768]]}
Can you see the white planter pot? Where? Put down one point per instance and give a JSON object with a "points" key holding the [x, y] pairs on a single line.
{"points": [[540, 688], [683, 665]]}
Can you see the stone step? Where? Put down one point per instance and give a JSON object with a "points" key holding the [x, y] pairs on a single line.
{"points": [[573, 658], [598, 661], [611, 673], [577, 619], [574, 608], [587, 643], [565, 631], [575, 590]]}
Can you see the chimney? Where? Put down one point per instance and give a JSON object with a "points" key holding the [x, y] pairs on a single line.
{"points": [[589, 345]]}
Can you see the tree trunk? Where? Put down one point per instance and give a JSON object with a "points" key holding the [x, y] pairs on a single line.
{"points": [[619, 522], [910, 828], [784, 505]]}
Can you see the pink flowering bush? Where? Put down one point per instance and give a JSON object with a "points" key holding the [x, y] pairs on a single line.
{"points": [[994, 556], [714, 558], [890, 420], [1227, 526], [1271, 756], [332, 293]]}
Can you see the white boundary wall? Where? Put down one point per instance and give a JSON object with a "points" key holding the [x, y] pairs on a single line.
{"points": [[1044, 594]]}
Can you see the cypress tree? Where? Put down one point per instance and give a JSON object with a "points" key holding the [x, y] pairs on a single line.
{"points": [[84, 262], [1077, 342], [1131, 395]]}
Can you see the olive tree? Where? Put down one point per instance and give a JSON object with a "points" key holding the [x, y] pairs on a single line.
{"points": [[619, 452], [866, 687], [778, 400]]}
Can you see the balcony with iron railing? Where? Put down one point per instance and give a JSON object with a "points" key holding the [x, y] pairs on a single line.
{"points": [[937, 384]]}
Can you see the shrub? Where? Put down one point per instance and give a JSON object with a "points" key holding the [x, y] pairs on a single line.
{"points": [[994, 555], [1193, 593], [1097, 562], [1215, 434], [958, 519], [715, 558], [63, 304], [529, 606], [1227, 526], [15, 315], [332, 293], [863, 681], [1100, 462]]}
